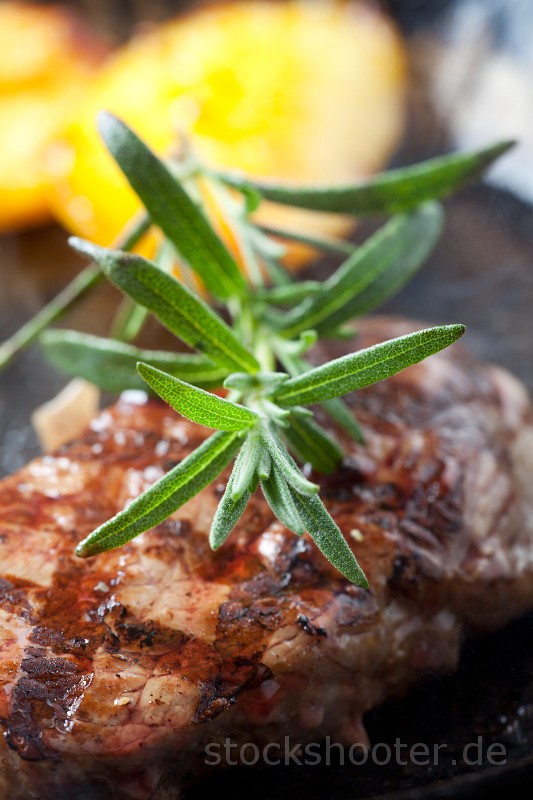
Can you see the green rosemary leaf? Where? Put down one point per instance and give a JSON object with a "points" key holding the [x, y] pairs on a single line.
{"points": [[252, 199], [374, 272], [347, 331], [254, 484], [112, 365], [296, 347], [290, 293], [301, 411], [277, 272], [184, 314], [263, 244], [335, 408], [327, 245], [171, 208], [240, 382], [313, 445], [282, 461], [388, 192], [328, 538], [365, 367], [264, 466], [344, 417], [168, 494], [415, 240], [279, 416], [279, 498], [243, 382], [196, 404], [246, 465], [289, 351], [227, 515]]}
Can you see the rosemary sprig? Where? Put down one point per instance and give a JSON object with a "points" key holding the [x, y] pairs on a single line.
{"points": [[264, 423]]}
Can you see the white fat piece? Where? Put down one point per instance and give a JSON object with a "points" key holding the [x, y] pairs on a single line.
{"points": [[67, 415]]}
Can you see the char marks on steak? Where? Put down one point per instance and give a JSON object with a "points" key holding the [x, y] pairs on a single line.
{"points": [[115, 672]]}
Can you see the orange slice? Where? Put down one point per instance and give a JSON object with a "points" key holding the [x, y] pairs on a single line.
{"points": [[309, 91]]}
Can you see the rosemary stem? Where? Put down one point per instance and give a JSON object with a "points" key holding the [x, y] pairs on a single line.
{"points": [[85, 280], [247, 253], [263, 352]]}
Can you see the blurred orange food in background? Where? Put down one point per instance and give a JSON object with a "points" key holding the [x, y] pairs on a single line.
{"points": [[302, 91], [309, 91], [46, 56]]}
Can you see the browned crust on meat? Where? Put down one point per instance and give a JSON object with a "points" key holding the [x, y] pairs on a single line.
{"points": [[116, 665]]}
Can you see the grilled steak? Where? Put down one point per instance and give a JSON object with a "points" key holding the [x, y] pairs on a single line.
{"points": [[116, 672]]}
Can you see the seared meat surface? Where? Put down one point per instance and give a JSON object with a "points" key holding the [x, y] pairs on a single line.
{"points": [[115, 672]]}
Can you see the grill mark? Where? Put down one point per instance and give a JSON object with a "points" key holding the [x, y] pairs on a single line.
{"points": [[220, 690], [74, 621], [150, 635], [13, 595], [243, 621], [46, 695]]}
